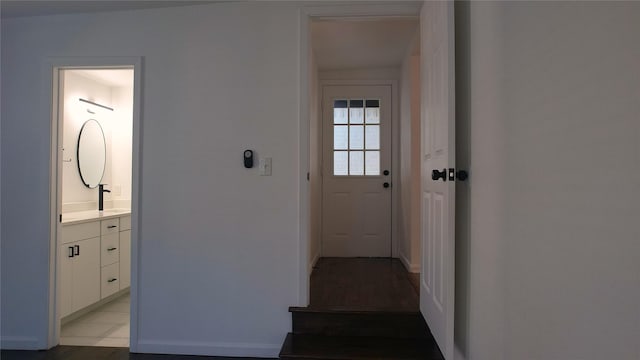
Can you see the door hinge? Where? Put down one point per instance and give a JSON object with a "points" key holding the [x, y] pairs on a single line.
{"points": [[60, 217], [307, 176]]}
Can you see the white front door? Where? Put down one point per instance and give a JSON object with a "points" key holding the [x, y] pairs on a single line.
{"points": [[438, 153], [356, 178]]}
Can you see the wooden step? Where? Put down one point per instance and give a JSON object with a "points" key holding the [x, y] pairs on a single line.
{"points": [[342, 322], [317, 347]]}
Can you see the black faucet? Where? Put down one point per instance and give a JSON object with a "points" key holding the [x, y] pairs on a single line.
{"points": [[101, 191]]}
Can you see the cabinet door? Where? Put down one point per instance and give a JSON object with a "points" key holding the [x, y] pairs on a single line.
{"points": [[125, 259], [86, 273], [66, 279]]}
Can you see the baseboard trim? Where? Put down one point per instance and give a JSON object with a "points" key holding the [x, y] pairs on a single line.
{"points": [[208, 349], [412, 268], [19, 343]]}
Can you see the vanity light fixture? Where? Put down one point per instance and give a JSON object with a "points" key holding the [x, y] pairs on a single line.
{"points": [[96, 104]]}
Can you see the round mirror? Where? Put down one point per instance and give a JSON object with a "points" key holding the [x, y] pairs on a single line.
{"points": [[91, 153]]}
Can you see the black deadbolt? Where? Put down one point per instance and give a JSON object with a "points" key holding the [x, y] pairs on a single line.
{"points": [[386, 172], [386, 185], [435, 175]]}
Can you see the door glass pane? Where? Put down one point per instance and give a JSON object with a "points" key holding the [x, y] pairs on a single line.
{"points": [[356, 163], [356, 137], [373, 112], [372, 163], [340, 112], [372, 137], [340, 163], [356, 112], [341, 137]]}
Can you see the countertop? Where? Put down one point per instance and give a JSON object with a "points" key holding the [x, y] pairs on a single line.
{"points": [[92, 215]]}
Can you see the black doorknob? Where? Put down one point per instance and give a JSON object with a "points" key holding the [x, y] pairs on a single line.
{"points": [[386, 172], [386, 185], [462, 175], [435, 175]]}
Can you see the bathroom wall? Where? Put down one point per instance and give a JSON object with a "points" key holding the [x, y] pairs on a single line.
{"points": [[121, 145], [75, 195], [117, 126]]}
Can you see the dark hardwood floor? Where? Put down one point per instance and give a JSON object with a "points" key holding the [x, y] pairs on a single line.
{"points": [[362, 284], [96, 353]]}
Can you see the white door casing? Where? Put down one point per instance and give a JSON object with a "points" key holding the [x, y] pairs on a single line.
{"points": [[356, 207], [437, 279]]}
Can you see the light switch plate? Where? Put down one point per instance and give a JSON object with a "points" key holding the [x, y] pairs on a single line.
{"points": [[265, 166]]}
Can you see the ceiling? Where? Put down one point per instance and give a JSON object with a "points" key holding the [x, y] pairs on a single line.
{"points": [[108, 77], [22, 8], [341, 44]]}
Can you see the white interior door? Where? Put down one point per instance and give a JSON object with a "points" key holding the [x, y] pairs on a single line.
{"points": [[356, 178], [438, 153]]}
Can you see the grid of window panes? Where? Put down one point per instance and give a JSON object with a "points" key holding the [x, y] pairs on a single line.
{"points": [[356, 137]]}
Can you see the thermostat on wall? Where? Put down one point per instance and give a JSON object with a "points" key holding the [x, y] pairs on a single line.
{"points": [[248, 159]]}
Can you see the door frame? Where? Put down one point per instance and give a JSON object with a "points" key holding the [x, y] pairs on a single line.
{"points": [[395, 147], [52, 69], [306, 15]]}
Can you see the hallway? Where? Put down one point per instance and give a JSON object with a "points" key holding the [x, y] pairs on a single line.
{"points": [[362, 284]]}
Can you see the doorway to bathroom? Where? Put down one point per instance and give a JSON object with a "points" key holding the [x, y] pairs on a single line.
{"points": [[95, 122]]}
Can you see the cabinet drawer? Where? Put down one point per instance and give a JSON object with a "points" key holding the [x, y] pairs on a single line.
{"points": [[125, 223], [110, 249], [110, 282], [110, 226], [71, 233]]}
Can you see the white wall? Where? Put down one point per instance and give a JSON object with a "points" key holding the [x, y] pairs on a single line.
{"points": [[218, 243], [390, 73], [409, 204], [572, 136], [549, 261]]}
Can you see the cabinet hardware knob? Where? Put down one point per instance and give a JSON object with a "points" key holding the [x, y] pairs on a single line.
{"points": [[70, 252], [112, 280], [77, 247], [112, 226], [111, 249]]}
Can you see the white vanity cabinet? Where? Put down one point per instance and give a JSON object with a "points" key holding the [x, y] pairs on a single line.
{"points": [[79, 266], [95, 261]]}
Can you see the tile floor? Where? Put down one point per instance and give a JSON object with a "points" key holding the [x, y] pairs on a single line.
{"points": [[105, 326]]}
